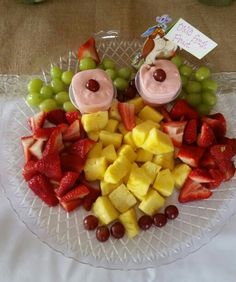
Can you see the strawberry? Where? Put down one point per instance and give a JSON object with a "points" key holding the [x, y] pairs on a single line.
{"points": [[193, 191], [206, 137], [81, 147], [88, 49], [71, 162], [222, 152], [208, 161], [40, 185], [73, 132], [190, 155], [79, 192], [175, 130], [71, 205], [37, 121], [127, 112], [165, 113], [227, 168], [182, 109], [37, 148], [200, 175], [190, 132], [228, 141], [217, 177], [50, 166], [27, 142], [29, 170], [72, 116], [63, 127], [56, 116], [43, 133], [217, 122], [54, 143], [67, 182]]}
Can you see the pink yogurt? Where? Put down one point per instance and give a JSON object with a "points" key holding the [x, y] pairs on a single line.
{"points": [[88, 101], [155, 92]]}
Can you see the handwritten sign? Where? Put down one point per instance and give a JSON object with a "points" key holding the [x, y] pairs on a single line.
{"points": [[190, 39]]}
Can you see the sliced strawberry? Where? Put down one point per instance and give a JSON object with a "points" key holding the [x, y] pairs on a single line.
{"points": [[165, 113], [190, 155], [40, 185], [37, 148], [71, 205], [37, 121], [200, 175], [222, 152], [56, 116], [206, 137], [72, 116], [29, 170], [127, 112], [190, 132], [227, 168], [217, 177], [27, 142], [81, 147], [182, 109], [175, 130], [54, 143], [217, 122], [79, 192], [50, 166], [63, 127], [193, 191], [208, 160], [67, 182], [228, 141], [43, 133], [73, 132], [88, 49], [72, 163]]}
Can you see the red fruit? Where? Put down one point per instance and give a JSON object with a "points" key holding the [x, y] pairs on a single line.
{"points": [[73, 132], [37, 121], [72, 116], [88, 49], [206, 137], [227, 168], [217, 122], [217, 177], [72, 163], [43, 133], [208, 160], [56, 116], [29, 170], [193, 191], [37, 149], [71, 205], [190, 155], [200, 175], [63, 127], [40, 185], [127, 112], [165, 113], [182, 109], [54, 143], [228, 141], [190, 132], [81, 147], [27, 142], [79, 192], [50, 166], [175, 130], [222, 152], [67, 182]]}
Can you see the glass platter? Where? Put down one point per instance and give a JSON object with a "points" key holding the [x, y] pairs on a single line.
{"points": [[196, 224]]}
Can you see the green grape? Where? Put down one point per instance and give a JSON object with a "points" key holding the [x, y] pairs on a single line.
{"points": [[33, 99], [125, 73], [112, 73], [62, 97], [193, 86], [202, 73], [108, 63], [87, 64], [48, 105], [46, 92], [69, 107], [194, 99], [57, 85], [204, 109], [185, 70], [177, 60], [184, 80], [121, 83], [66, 77], [35, 85], [209, 98], [101, 67], [55, 72], [208, 84]]}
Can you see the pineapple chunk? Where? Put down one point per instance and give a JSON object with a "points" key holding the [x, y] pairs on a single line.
{"points": [[128, 139], [143, 155], [107, 188], [109, 153], [158, 142], [140, 133], [180, 174], [104, 210], [122, 128], [94, 121], [112, 125], [127, 151], [152, 202], [164, 182], [126, 177], [96, 151], [95, 168], [122, 199], [129, 220], [114, 112], [108, 138], [116, 171], [165, 160], [151, 169], [138, 120], [148, 113], [138, 104], [93, 135]]}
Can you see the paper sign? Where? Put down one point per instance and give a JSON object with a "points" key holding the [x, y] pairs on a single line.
{"points": [[190, 39]]}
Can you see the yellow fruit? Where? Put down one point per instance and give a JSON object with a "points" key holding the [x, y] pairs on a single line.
{"points": [[157, 142], [127, 150], [94, 121], [112, 125], [122, 128], [140, 133], [165, 160], [138, 104], [129, 220], [151, 169], [164, 182], [143, 155], [114, 112], [96, 151], [128, 139], [109, 153], [122, 199], [180, 174], [116, 171], [104, 210], [151, 203], [138, 120], [95, 168], [107, 188], [148, 113], [153, 124], [126, 177], [108, 138], [94, 135]]}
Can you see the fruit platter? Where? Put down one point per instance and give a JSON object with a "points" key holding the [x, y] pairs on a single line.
{"points": [[110, 174]]}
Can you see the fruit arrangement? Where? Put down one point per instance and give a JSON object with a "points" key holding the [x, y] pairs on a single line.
{"points": [[128, 159]]}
